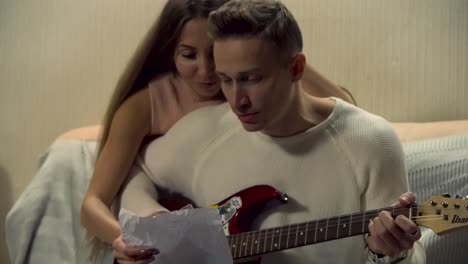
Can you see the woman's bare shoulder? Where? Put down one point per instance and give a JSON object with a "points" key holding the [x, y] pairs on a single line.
{"points": [[163, 80]]}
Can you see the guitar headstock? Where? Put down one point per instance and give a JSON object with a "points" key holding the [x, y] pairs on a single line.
{"points": [[443, 214]]}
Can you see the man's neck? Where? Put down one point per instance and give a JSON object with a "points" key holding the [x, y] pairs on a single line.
{"points": [[303, 112]]}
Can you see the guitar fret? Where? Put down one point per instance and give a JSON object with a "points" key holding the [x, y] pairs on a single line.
{"points": [[234, 245], [239, 245], [370, 215], [287, 240], [321, 235], [292, 237], [412, 212], [363, 222], [326, 229], [245, 244], [259, 239], [306, 232], [332, 225], [356, 227], [264, 243], [344, 226], [272, 239], [338, 228], [252, 243], [231, 242], [316, 228], [297, 233], [280, 238]]}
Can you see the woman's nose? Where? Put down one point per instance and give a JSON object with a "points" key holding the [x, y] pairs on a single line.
{"points": [[206, 68]]}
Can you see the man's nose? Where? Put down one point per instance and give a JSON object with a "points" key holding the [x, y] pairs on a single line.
{"points": [[242, 101]]}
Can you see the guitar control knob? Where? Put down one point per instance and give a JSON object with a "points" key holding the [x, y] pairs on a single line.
{"points": [[284, 197], [446, 195]]}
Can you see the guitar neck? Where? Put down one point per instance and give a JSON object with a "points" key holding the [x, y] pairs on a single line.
{"points": [[296, 235]]}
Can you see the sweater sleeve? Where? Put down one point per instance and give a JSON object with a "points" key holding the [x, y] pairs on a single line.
{"points": [[385, 178], [380, 168]]}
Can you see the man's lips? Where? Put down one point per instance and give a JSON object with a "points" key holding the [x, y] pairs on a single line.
{"points": [[247, 118], [207, 83]]}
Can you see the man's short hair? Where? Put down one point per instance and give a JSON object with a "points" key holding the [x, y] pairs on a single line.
{"points": [[266, 19]]}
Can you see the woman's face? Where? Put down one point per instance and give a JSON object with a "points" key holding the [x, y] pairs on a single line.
{"points": [[193, 59]]}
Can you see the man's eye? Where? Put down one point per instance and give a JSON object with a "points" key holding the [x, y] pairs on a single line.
{"points": [[251, 79], [255, 78]]}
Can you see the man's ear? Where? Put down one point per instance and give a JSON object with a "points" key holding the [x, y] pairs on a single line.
{"points": [[297, 67]]}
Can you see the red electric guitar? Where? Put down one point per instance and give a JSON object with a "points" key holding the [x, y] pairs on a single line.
{"points": [[442, 214]]}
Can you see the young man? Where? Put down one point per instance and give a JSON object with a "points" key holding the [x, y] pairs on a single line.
{"points": [[330, 157]]}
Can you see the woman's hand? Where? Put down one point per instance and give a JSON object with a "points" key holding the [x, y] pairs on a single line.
{"points": [[136, 255]]}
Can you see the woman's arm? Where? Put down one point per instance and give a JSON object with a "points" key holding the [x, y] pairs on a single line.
{"points": [[130, 125], [317, 85]]}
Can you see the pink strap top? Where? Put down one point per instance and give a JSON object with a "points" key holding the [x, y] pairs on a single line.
{"points": [[170, 100]]}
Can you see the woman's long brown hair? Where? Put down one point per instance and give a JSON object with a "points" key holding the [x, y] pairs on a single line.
{"points": [[153, 57]]}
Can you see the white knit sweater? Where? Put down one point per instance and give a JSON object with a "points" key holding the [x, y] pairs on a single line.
{"points": [[351, 162]]}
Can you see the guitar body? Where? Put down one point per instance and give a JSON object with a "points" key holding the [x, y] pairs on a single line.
{"points": [[239, 210]]}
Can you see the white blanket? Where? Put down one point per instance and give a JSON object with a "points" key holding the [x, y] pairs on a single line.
{"points": [[44, 224]]}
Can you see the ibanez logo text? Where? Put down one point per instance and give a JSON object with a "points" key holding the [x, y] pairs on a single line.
{"points": [[459, 220]]}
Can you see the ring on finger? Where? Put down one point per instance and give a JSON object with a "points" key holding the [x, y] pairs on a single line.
{"points": [[415, 234]]}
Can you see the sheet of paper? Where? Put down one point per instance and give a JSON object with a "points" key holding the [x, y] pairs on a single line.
{"points": [[183, 236]]}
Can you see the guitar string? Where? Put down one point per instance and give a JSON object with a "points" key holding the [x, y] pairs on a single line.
{"points": [[356, 218], [272, 237], [246, 245], [301, 229], [359, 216]]}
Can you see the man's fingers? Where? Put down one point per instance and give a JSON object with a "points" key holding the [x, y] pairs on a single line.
{"points": [[373, 241], [390, 245], [406, 199], [400, 236], [410, 229]]}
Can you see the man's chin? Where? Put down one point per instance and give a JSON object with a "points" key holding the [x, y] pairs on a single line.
{"points": [[251, 127]]}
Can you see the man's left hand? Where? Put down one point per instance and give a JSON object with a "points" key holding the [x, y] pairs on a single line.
{"points": [[390, 237]]}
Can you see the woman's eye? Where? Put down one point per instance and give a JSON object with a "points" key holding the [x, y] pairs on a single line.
{"points": [[188, 55]]}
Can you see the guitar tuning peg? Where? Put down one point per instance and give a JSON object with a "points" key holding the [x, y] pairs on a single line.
{"points": [[458, 196], [466, 197], [446, 195]]}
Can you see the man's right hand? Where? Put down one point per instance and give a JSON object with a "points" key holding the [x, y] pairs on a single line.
{"points": [[132, 255]]}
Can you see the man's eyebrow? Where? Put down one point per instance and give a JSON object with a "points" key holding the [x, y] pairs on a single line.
{"points": [[250, 71], [242, 73]]}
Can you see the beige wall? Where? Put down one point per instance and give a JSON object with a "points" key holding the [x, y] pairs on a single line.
{"points": [[404, 60]]}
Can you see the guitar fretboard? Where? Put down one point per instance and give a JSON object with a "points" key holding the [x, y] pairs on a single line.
{"points": [[307, 233]]}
